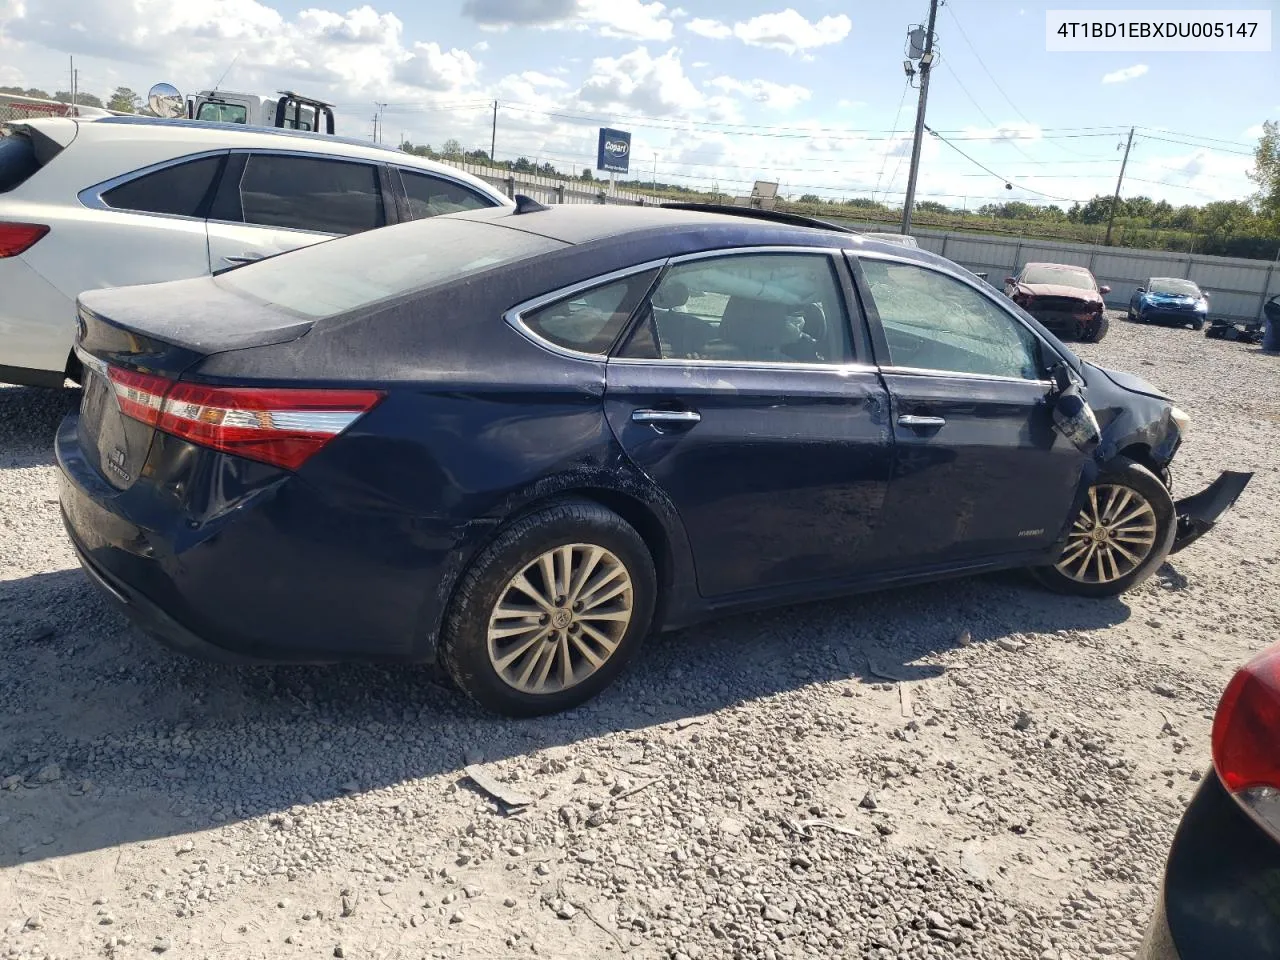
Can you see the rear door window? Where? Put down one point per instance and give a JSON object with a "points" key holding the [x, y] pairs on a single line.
{"points": [[430, 196], [180, 190], [590, 321], [17, 161], [304, 193]]}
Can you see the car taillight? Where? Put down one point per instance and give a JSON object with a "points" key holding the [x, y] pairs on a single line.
{"points": [[1246, 738], [283, 426], [16, 238]]}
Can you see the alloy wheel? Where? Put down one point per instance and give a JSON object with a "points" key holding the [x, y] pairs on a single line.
{"points": [[560, 619], [1112, 536]]}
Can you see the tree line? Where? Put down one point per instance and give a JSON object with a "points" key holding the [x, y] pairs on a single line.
{"points": [[123, 100]]}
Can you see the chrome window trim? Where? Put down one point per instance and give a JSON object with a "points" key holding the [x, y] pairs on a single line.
{"points": [[953, 375], [515, 316], [91, 197], [909, 261], [827, 251], [747, 364]]}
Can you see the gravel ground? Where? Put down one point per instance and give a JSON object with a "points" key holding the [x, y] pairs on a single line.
{"points": [[971, 769]]}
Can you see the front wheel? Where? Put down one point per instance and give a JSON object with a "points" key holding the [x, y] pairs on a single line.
{"points": [[550, 612], [1095, 331], [1121, 535], [1197, 325]]}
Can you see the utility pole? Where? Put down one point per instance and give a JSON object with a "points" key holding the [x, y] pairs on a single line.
{"points": [[493, 138], [926, 68], [655, 173], [1115, 201]]}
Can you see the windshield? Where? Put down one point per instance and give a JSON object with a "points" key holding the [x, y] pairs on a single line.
{"points": [[1174, 288], [352, 272], [1062, 276]]}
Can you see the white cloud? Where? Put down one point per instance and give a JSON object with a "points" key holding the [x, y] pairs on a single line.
{"points": [[700, 64], [850, 104], [480, 47], [713, 29], [344, 56], [623, 19], [537, 79], [440, 70], [1128, 73], [1253, 133], [638, 81], [1010, 131], [790, 32], [775, 96]]}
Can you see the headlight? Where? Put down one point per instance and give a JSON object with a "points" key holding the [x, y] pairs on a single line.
{"points": [[1181, 418], [1202, 306]]}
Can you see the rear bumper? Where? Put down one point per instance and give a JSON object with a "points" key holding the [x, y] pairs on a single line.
{"points": [[152, 620], [273, 572], [1220, 897], [1198, 513]]}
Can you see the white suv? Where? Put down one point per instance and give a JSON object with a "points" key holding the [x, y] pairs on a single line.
{"points": [[125, 200]]}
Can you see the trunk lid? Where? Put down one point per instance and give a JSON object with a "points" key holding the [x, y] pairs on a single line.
{"points": [[130, 334]]}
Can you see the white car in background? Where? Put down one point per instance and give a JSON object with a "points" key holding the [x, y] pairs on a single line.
{"points": [[125, 200]]}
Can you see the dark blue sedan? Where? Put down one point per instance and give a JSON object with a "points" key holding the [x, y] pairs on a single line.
{"points": [[1169, 300], [518, 440]]}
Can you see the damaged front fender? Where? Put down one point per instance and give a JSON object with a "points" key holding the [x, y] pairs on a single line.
{"points": [[1198, 513]]}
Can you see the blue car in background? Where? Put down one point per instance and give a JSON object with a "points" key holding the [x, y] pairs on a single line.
{"points": [[1169, 300]]}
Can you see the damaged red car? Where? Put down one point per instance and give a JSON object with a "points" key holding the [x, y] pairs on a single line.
{"points": [[1065, 298]]}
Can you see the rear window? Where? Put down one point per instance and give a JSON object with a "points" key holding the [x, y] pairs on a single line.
{"points": [[17, 161], [223, 112], [180, 190], [353, 272]]}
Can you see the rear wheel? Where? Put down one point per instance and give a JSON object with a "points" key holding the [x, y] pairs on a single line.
{"points": [[1121, 535], [550, 612]]}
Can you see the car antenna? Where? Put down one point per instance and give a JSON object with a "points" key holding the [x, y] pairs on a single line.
{"points": [[528, 204], [226, 71]]}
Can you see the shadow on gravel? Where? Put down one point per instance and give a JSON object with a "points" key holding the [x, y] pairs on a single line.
{"points": [[29, 417], [148, 744]]}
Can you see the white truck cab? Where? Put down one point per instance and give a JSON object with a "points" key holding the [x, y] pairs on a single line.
{"points": [[289, 111]]}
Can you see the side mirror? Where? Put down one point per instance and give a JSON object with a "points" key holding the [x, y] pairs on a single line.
{"points": [[1141, 290], [1072, 416], [1010, 280], [1104, 290], [1205, 294]]}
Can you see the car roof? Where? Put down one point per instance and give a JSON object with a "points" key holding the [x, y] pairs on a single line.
{"points": [[1059, 266], [585, 223], [212, 135]]}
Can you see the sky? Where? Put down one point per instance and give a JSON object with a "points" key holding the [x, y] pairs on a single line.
{"points": [[808, 93]]}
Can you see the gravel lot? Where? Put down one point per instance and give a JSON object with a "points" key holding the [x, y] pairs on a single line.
{"points": [[971, 769]]}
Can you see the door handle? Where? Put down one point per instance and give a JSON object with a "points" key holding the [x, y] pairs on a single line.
{"points": [[247, 258], [671, 418], [921, 423]]}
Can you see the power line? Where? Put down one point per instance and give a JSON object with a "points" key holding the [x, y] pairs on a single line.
{"points": [[1200, 146], [897, 117], [996, 175]]}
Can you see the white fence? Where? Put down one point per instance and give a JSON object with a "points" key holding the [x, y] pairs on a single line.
{"points": [[552, 189], [1237, 287]]}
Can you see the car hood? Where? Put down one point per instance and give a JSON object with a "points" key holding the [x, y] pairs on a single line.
{"points": [[1060, 290], [1170, 298], [1127, 381]]}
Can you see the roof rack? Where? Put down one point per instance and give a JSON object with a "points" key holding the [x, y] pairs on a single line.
{"points": [[777, 216]]}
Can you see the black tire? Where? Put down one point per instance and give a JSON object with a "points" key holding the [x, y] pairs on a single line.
{"points": [[1096, 330], [1131, 316], [1122, 472], [464, 643], [1197, 325]]}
